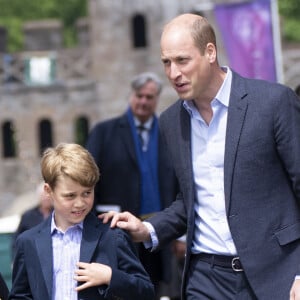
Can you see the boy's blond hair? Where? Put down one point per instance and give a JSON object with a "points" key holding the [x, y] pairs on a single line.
{"points": [[71, 160]]}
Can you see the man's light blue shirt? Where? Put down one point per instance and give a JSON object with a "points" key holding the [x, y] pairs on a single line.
{"points": [[211, 234]]}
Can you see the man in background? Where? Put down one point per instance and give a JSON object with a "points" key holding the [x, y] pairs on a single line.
{"points": [[35, 215], [135, 173]]}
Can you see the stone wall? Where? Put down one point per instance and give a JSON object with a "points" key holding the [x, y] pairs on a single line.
{"points": [[25, 107], [42, 35]]}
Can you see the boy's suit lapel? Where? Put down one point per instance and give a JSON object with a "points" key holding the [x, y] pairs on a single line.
{"points": [[44, 252], [90, 237]]}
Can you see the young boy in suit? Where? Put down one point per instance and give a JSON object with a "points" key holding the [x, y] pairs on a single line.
{"points": [[72, 254]]}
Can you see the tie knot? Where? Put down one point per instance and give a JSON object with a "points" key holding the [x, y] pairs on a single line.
{"points": [[141, 127]]}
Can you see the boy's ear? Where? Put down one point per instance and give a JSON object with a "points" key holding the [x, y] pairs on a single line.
{"points": [[47, 188]]}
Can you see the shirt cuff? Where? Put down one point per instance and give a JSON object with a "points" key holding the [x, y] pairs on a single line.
{"points": [[182, 239], [153, 244]]}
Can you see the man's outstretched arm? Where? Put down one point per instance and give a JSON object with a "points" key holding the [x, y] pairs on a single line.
{"points": [[137, 229]]}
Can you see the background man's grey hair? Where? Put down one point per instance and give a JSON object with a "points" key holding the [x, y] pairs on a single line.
{"points": [[140, 80]]}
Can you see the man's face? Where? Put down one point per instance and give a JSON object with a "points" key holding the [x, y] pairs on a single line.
{"points": [[143, 102], [188, 71]]}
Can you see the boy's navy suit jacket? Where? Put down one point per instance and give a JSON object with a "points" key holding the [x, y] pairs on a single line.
{"points": [[33, 264]]}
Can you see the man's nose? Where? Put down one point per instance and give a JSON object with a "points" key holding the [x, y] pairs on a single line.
{"points": [[174, 71]]}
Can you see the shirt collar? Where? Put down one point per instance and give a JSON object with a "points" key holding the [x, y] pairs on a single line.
{"points": [[54, 228], [147, 124], [222, 95]]}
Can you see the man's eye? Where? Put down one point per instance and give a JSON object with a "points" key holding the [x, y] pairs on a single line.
{"points": [[181, 60]]}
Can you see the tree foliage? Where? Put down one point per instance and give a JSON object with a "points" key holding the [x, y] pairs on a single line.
{"points": [[14, 12], [289, 11]]}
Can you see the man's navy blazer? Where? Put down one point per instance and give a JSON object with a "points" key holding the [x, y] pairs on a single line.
{"points": [[261, 182], [33, 264]]}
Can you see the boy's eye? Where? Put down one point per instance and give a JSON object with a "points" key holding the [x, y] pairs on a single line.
{"points": [[86, 194]]}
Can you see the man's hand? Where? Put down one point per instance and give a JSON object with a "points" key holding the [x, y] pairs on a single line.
{"points": [[295, 290], [125, 220], [92, 274]]}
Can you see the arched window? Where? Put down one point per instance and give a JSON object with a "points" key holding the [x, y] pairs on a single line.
{"points": [[139, 30], [9, 140], [81, 130], [45, 135]]}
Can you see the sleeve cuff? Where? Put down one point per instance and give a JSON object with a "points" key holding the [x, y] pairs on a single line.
{"points": [[153, 244]]}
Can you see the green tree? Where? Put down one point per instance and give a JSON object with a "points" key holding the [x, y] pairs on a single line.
{"points": [[289, 11], [14, 12]]}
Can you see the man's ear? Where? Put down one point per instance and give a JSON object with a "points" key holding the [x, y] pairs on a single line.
{"points": [[211, 52]]}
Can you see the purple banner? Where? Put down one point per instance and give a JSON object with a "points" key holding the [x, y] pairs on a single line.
{"points": [[246, 30]]}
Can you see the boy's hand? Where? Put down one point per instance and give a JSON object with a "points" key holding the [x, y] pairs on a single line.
{"points": [[295, 290], [92, 274], [127, 221]]}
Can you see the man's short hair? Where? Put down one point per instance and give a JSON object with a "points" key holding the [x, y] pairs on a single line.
{"points": [[140, 80]]}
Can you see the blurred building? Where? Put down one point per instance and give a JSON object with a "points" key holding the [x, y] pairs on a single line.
{"points": [[49, 94]]}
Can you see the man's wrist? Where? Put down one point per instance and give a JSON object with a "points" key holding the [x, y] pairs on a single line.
{"points": [[152, 242]]}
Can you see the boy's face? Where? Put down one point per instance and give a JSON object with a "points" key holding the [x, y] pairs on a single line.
{"points": [[71, 202]]}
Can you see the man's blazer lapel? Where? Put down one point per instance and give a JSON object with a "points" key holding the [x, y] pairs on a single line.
{"points": [[235, 120], [184, 146], [44, 252]]}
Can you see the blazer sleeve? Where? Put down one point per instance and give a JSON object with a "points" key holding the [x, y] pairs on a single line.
{"points": [[20, 284], [171, 223], [129, 280], [286, 129]]}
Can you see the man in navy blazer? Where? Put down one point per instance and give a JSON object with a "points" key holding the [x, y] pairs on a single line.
{"points": [[235, 147], [35, 215]]}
